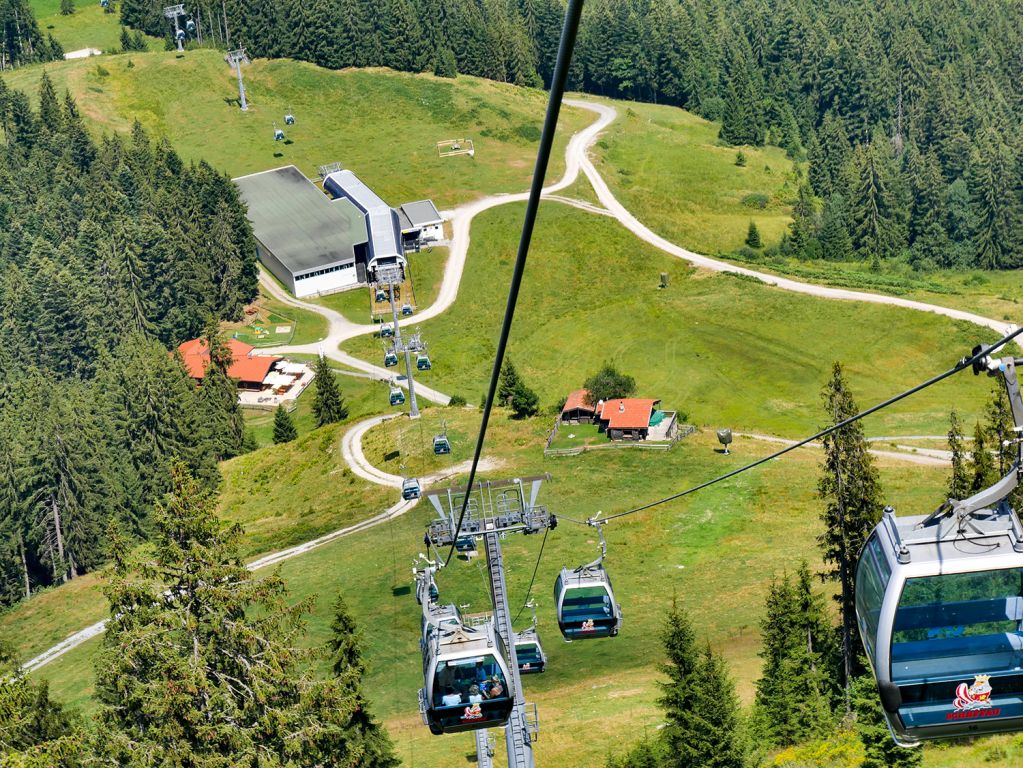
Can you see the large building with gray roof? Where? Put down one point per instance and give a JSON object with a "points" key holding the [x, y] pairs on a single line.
{"points": [[317, 245]]}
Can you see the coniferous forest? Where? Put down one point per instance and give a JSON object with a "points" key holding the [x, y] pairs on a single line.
{"points": [[111, 252], [20, 39], [906, 112]]}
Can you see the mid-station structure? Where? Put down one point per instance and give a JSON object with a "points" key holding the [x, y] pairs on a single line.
{"points": [[317, 244]]}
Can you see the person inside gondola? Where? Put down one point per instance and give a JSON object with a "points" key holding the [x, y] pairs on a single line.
{"points": [[496, 690], [475, 697], [451, 697]]}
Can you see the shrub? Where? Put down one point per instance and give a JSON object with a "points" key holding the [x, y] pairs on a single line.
{"points": [[456, 401], [756, 200]]}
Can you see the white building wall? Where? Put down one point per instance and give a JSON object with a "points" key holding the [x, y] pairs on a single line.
{"points": [[331, 282]]}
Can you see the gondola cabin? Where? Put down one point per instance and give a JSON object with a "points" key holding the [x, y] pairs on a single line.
{"points": [[939, 604], [380, 295], [289, 119], [390, 359], [397, 397], [423, 362], [190, 27], [529, 653], [441, 445], [466, 680], [406, 309], [465, 544], [278, 134], [410, 489], [586, 604], [386, 331]]}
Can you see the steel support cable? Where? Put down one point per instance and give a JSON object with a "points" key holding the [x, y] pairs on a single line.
{"points": [[532, 580], [543, 155], [966, 362]]}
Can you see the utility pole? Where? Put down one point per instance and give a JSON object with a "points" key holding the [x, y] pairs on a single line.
{"points": [[175, 12], [497, 508], [236, 59]]}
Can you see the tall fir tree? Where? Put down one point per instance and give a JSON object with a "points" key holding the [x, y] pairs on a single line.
{"points": [[349, 668], [698, 700], [851, 491], [200, 663], [982, 470], [284, 426], [328, 404], [879, 748], [959, 480]]}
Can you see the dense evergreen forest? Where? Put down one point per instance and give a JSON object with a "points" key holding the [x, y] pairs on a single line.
{"points": [[20, 41], [110, 253], [906, 112]]}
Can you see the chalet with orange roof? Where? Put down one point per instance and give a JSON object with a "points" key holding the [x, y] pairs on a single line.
{"points": [[636, 419], [576, 410], [263, 380]]}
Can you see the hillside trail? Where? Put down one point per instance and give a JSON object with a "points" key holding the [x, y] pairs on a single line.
{"points": [[341, 329]]}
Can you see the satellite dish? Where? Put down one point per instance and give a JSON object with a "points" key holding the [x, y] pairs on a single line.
{"points": [[725, 437]]}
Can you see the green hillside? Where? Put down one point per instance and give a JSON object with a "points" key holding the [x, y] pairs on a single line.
{"points": [[381, 124], [726, 351]]}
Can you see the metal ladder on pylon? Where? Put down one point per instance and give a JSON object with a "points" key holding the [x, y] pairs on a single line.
{"points": [[521, 730]]}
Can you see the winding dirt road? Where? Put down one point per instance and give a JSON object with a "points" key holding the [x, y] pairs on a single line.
{"points": [[341, 329]]}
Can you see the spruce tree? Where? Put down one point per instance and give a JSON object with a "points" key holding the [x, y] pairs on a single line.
{"points": [[835, 242], [284, 426], [698, 700], [851, 492], [959, 481], [67, 7], [348, 666], [507, 384], [982, 470], [797, 686], [881, 751], [200, 663], [753, 236], [35, 731], [218, 400], [328, 403]]}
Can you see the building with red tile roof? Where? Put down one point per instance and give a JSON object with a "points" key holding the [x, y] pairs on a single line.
{"points": [[627, 417], [576, 410], [250, 370]]}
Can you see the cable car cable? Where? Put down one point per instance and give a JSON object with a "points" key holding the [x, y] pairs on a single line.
{"points": [[966, 362], [536, 567], [543, 156]]}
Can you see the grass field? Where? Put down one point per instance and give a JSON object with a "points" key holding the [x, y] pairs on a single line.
{"points": [[87, 27], [427, 271], [381, 124], [717, 551], [726, 351], [667, 167]]}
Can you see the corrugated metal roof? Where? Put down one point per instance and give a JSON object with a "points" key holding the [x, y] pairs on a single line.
{"points": [[352, 187], [297, 223]]}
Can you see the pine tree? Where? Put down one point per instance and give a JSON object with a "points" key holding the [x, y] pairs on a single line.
{"points": [[698, 700], [851, 491], [362, 730], [67, 7], [328, 403], [836, 244], [508, 383], [982, 466], [284, 426], [796, 688], [753, 236], [218, 400], [200, 663], [881, 751], [803, 229], [959, 481], [35, 731]]}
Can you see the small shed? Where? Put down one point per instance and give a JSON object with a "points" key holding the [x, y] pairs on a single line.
{"points": [[576, 410]]}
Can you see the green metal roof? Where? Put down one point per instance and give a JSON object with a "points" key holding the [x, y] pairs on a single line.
{"points": [[298, 223]]}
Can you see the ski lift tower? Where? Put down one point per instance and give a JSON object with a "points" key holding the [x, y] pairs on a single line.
{"points": [[497, 508], [175, 12], [236, 59], [392, 277]]}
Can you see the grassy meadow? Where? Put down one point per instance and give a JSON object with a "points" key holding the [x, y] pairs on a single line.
{"points": [[383, 125], [723, 350], [88, 27]]}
